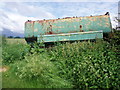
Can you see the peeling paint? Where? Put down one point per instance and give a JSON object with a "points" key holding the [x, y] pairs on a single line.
{"points": [[36, 30], [67, 25], [65, 39]]}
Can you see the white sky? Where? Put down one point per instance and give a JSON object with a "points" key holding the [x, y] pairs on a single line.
{"points": [[14, 14], [59, 0]]}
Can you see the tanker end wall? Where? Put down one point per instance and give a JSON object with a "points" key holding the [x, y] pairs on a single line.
{"points": [[68, 29]]}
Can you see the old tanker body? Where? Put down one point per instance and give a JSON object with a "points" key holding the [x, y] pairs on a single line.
{"points": [[67, 29]]}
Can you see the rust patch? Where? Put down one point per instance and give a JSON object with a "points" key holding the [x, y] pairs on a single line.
{"points": [[50, 32], [41, 21], [71, 32], [52, 20], [67, 17], [46, 21], [81, 28], [51, 26], [33, 25]]}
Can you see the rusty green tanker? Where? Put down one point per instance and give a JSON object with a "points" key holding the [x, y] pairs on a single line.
{"points": [[67, 29]]}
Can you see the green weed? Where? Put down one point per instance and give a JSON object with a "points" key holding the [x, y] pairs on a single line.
{"points": [[70, 65], [14, 52], [87, 65]]}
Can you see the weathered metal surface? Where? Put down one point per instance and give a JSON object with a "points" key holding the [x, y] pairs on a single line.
{"points": [[68, 25], [70, 36]]}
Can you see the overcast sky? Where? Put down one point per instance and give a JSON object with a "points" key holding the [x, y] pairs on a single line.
{"points": [[14, 14]]}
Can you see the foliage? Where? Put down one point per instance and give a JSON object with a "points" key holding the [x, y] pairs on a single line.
{"points": [[36, 48], [115, 38], [115, 42], [70, 65], [38, 68], [13, 52], [90, 65]]}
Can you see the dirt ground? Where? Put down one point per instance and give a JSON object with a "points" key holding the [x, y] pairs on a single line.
{"points": [[3, 69]]}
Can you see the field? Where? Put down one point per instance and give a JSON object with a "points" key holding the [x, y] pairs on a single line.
{"points": [[14, 41], [69, 65]]}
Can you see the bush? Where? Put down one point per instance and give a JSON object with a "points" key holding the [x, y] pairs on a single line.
{"points": [[115, 37], [36, 48], [90, 65], [13, 52], [39, 69], [76, 65]]}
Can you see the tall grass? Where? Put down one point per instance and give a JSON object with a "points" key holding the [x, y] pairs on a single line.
{"points": [[14, 52], [86, 64], [77, 65]]}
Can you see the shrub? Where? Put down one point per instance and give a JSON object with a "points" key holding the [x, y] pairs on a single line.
{"points": [[87, 65], [38, 68], [13, 52], [36, 47], [115, 37], [77, 65]]}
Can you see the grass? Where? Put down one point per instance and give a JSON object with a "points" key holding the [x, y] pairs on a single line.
{"points": [[34, 74], [17, 83], [15, 41], [77, 65]]}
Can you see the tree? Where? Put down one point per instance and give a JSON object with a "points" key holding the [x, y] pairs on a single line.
{"points": [[10, 36]]}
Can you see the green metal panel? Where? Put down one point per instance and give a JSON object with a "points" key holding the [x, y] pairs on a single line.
{"points": [[29, 30], [70, 36], [37, 28], [68, 25]]}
